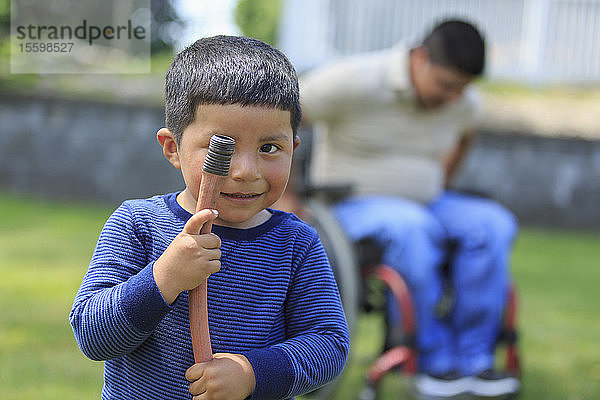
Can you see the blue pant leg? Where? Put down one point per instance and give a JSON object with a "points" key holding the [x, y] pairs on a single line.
{"points": [[414, 245], [483, 231]]}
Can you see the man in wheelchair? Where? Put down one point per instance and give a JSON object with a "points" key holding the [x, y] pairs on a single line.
{"points": [[395, 124]]}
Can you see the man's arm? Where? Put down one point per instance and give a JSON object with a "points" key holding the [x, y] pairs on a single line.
{"points": [[456, 156]]}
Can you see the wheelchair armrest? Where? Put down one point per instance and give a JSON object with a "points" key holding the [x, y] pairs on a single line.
{"points": [[472, 192], [329, 193], [368, 252]]}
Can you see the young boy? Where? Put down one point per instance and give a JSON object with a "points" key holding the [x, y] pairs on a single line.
{"points": [[276, 322]]}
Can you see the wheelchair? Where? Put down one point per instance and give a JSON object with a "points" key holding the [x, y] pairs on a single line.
{"points": [[354, 264]]}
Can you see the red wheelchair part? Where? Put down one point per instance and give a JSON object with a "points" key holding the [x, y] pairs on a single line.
{"points": [[404, 356]]}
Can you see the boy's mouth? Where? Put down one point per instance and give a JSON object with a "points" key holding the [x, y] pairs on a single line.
{"points": [[240, 196]]}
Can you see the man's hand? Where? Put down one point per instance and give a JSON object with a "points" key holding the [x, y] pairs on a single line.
{"points": [[189, 259], [226, 377], [456, 156]]}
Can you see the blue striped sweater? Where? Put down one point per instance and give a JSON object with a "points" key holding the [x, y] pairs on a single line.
{"points": [[274, 300]]}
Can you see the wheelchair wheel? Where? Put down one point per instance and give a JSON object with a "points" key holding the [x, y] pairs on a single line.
{"points": [[344, 264]]}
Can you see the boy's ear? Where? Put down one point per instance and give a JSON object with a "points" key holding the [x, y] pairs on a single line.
{"points": [[169, 146]]}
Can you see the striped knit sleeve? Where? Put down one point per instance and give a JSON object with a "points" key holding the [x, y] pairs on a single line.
{"points": [[318, 343], [118, 303]]}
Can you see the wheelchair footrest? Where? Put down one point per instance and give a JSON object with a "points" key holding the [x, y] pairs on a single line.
{"points": [[395, 357]]}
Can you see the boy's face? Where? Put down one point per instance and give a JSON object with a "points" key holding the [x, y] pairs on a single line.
{"points": [[260, 164]]}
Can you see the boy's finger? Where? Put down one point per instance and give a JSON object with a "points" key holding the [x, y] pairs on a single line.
{"points": [[194, 224], [213, 266], [197, 388], [195, 372], [209, 241]]}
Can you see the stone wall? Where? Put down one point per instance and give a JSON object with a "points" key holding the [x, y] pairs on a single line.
{"points": [[82, 149], [108, 153], [544, 181]]}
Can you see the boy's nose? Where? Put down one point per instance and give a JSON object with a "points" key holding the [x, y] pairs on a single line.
{"points": [[244, 167]]}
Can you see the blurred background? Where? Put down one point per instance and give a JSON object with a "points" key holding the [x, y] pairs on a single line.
{"points": [[73, 146]]}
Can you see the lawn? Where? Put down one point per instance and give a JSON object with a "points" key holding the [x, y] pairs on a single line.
{"points": [[44, 251]]}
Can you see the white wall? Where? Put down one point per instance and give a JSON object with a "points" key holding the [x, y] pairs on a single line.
{"points": [[535, 41]]}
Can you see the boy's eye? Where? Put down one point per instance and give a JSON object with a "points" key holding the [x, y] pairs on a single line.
{"points": [[268, 148]]}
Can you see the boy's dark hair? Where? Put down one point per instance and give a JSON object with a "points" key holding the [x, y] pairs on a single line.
{"points": [[457, 44], [229, 70]]}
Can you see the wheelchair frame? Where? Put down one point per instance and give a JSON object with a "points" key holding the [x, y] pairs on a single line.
{"points": [[403, 357]]}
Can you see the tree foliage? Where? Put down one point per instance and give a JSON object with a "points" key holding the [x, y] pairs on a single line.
{"points": [[259, 19], [4, 18], [165, 24]]}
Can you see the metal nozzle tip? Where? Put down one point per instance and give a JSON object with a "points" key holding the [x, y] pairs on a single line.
{"points": [[220, 150]]}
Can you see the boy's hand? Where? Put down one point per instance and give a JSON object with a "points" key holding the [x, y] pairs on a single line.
{"points": [[189, 259], [226, 377]]}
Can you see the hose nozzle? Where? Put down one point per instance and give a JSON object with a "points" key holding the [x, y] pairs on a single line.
{"points": [[218, 159]]}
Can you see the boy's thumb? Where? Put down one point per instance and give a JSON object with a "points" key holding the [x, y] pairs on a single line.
{"points": [[195, 223]]}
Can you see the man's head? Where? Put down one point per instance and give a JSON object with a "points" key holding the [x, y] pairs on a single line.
{"points": [[229, 70], [449, 58]]}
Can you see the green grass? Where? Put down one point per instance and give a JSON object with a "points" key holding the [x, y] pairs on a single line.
{"points": [[44, 252], [45, 248]]}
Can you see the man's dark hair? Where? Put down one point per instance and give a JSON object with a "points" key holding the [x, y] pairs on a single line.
{"points": [[229, 70], [457, 44]]}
